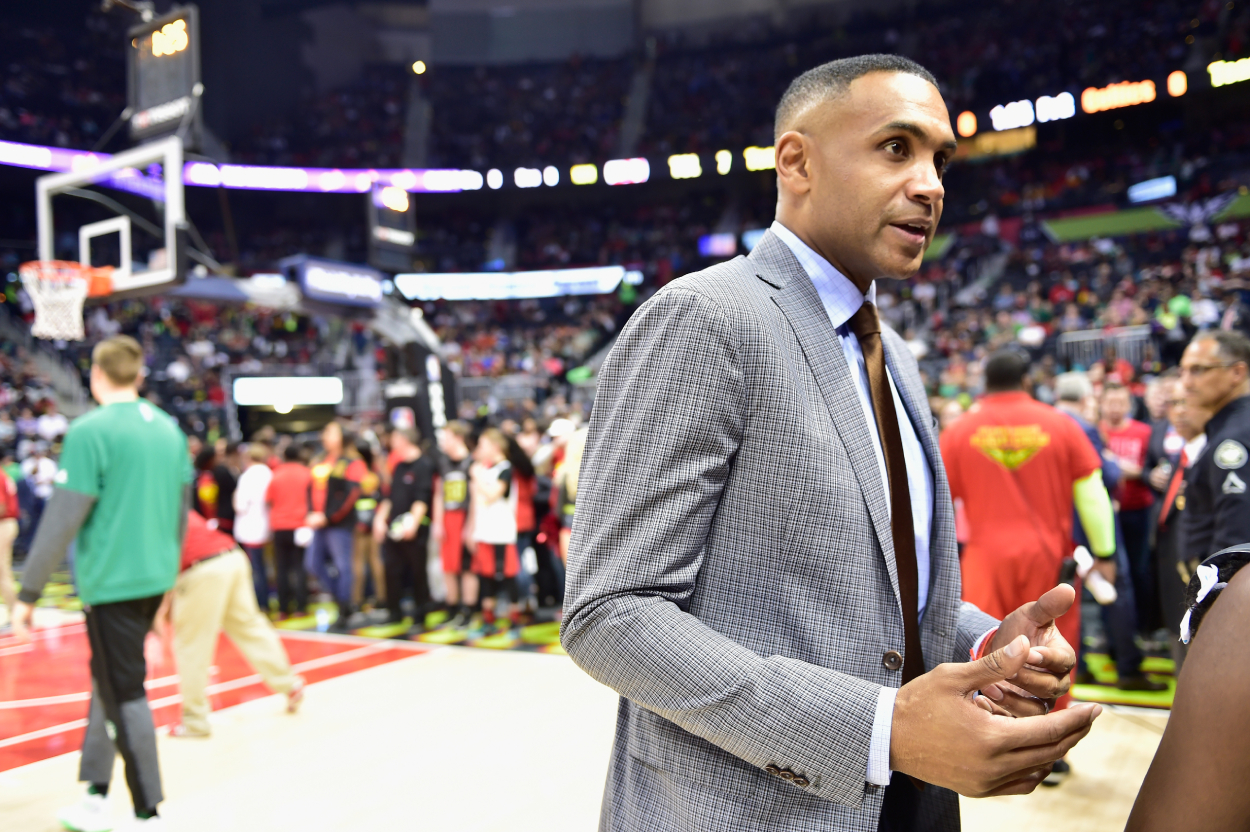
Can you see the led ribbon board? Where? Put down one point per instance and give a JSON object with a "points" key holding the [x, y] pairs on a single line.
{"points": [[550, 283]]}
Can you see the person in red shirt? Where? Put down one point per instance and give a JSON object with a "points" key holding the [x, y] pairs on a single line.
{"points": [[214, 593], [287, 496], [1127, 441], [525, 483], [1018, 466], [9, 512], [336, 486]]}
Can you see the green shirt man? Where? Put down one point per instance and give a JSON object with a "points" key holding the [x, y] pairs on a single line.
{"points": [[121, 493]]}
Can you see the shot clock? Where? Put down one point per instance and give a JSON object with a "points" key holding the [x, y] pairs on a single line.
{"points": [[163, 75]]}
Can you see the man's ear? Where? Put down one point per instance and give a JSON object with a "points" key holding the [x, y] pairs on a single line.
{"points": [[793, 162]]}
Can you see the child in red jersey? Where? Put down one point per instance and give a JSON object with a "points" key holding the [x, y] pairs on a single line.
{"points": [[495, 559], [451, 518]]}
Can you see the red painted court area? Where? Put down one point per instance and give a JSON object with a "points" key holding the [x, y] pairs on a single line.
{"points": [[45, 685]]}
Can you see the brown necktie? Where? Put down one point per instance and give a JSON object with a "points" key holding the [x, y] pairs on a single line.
{"points": [[867, 328]]}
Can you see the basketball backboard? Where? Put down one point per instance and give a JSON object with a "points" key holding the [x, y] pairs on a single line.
{"points": [[153, 170]]}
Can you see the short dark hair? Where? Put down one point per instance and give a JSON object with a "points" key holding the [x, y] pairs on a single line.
{"points": [[1004, 370], [1233, 346], [832, 79], [205, 458], [293, 453]]}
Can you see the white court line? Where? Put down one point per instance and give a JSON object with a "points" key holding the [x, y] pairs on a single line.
{"points": [[46, 632], [312, 664], [44, 732], [64, 699]]}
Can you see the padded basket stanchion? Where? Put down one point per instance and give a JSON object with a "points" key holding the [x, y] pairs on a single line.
{"points": [[58, 289]]}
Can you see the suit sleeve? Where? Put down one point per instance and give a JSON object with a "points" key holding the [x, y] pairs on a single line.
{"points": [[670, 412]]}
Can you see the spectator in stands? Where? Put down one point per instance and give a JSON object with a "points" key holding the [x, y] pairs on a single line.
{"points": [[525, 483], [1127, 441], [40, 471], [495, 559], [566, 487], [1076, 398], [1175, 567], [52, 425], [336, 479], [287, 497], [402, 525], [451, 521], [251, 517], [365, 549]]}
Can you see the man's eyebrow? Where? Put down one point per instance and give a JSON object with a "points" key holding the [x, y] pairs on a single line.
{"points": [[917, 131]]}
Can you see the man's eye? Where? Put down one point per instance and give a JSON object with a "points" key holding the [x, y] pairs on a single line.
{"points": [[895, 148]]}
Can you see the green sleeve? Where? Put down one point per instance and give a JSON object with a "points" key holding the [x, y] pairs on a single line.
{"points": [[1093, 504], [81, 464]]}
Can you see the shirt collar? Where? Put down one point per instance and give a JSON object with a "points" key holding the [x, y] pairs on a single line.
{"points": [[840, 297]]}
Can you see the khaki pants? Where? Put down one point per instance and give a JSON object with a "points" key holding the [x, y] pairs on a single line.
{"points": [[8, 533], [215, 595]]}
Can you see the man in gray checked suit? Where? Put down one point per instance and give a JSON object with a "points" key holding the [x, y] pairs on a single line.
{"points": [[763, 561]]}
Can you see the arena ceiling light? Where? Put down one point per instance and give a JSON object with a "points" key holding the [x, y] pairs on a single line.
{"points": [[551, 176], [1152, 189], [1224, 73], [684, 166], [1055, 107], [718, 245], [494, 179], [287, 391], [1178, 83], [760, 158], [1115, 96], [966, 124], [587, 174], [626, 171], [1013, 115], [724, 161], [527, 177]]}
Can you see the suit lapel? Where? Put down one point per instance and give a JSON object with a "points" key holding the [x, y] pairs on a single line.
{"points": [[799, 302]]}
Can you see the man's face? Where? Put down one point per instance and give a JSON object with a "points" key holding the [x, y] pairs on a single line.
{"points": [[1208, 377], [1188, 419], [1115, 405], [873, 160]]}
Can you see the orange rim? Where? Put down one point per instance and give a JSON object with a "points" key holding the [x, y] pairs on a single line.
{"points": [[99, 278]]}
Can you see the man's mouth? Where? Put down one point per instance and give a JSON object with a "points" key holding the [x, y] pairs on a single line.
{"points": [[916, 231]]}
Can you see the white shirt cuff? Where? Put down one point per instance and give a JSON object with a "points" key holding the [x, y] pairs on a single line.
{"points": [[976, 648], [879, 746]]}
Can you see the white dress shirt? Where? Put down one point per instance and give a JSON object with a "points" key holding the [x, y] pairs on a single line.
{"points": [[841, 300], [251, 513]]}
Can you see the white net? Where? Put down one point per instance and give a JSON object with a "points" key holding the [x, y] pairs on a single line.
{"points": [[57, 290]]}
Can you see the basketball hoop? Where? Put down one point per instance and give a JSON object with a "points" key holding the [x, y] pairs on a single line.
{"points": [[58, 289]]}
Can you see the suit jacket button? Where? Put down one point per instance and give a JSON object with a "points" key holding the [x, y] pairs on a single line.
{"points": [[802, 782], [772, 769], [786, 774], [892, 660]]}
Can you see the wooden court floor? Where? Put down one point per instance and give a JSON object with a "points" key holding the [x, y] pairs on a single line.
{"points": [[467, 739]]}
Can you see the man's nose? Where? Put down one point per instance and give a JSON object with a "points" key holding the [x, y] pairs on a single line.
{"points": [[926, 185]]}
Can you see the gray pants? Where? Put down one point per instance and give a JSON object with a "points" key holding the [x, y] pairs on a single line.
{"points": [[120, 721]]}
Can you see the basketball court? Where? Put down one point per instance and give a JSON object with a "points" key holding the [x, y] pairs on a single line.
{"points": [[402, 734]]}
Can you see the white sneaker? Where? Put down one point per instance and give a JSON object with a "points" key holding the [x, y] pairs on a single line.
{"points": [[91, 815]]}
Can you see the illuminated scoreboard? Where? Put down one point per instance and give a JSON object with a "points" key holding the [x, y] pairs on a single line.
{"points": [[163, 69]]}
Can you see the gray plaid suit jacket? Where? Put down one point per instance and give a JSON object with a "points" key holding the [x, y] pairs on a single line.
{"points": [[731, 572]]}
